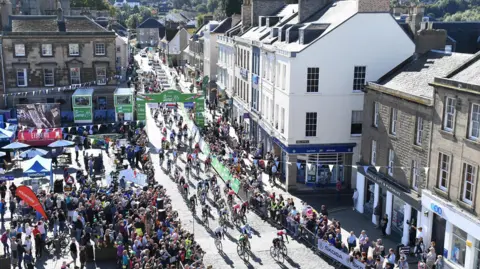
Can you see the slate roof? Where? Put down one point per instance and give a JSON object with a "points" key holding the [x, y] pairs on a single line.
{"points": [[223, 26], [470, 74], [34, 23], [49, 24], [151, 23], [413, 75]]}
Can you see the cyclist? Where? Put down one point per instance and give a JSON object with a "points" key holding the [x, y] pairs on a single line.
{"points": [[206, 185], [205, 210], [236, 209], [169, 165], [193, 202], [219, 232], [161, 155], [200, 185], [185, 187], [244, 207], [230, 196], [279, 238], [175, 155], [243, 240], [203, 197], [176, 174], [246, 230]]}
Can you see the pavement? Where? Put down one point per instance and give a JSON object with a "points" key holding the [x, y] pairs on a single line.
{"points": [[299, 256], [54, 261]]}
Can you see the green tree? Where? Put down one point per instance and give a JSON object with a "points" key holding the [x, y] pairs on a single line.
{"points": [[212, 5], [133, 21], [202, 8]]}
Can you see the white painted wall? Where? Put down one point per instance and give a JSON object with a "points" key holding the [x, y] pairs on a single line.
{"points": [[372, 40]]}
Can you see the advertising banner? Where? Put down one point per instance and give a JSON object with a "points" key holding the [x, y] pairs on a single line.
{"points": [[82, 114], [40, 116], [124, 103], [39, 137], [222, 170], [82, 108], [140, 107], [338, 255], [29, 197]]}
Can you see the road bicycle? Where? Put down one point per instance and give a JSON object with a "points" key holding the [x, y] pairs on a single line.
{"points": [[243, 249], [218, 243], [279, 252]]}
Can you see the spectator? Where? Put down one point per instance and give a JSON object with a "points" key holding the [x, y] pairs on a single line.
{"points": [[355, 198], [384, 224], [351, 241], [391, 257], [439, 263]]}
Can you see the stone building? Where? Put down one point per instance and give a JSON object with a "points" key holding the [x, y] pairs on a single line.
{"points": [[58, 54], [396, 133], [40, 7], [451, 204]]}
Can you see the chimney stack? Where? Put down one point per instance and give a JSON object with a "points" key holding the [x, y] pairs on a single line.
{"points": [[307, 8], [415, 18], [264, 8], [373, 6], [246, 14], [429, 39], [5, 12], [59, 12]]}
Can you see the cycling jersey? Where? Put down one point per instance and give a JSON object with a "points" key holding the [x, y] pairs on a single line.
{"points": [[218, 230]]}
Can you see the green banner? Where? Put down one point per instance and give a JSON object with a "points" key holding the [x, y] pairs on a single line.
{"points": [[173, 96], [222, 170], [124, 109], [140, 107], [82, 114]]}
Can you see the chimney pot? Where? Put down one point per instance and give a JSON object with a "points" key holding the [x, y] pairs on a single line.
{"points": [[372, 6]]}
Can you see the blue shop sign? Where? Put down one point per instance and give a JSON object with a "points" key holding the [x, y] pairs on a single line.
{"points": [[318, 148], [435, 208], [188, 104]]}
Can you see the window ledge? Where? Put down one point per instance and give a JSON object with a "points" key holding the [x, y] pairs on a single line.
{"points": [[355, 135], [418, 148], [392, 136], [466, 206], [442, 193], [448, 134], [472, 142], [357, 91]]}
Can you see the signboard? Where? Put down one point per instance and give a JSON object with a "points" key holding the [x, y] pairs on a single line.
{"points": [[140, 108], [173, 96], [6, 178], [244, 73], [82, 108], [338, 255], [39, 137], [255, 79], [383, 182], [82, 114], [123, 103], [40, 116]]}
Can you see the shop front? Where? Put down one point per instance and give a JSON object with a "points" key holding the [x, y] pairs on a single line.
{"points": [[455, 232], [317, 165], [264, 144], [397, 202]]}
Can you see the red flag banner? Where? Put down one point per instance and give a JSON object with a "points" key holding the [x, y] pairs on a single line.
{"points": [[29, 197]]}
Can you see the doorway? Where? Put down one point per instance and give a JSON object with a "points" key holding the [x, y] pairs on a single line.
{"points": [[438, 233]]}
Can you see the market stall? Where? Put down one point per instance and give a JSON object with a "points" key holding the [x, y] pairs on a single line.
{"points": [[82, 106], [38, 167], [124, 102]]}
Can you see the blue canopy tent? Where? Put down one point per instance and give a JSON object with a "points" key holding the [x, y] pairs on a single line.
{"points": [[6, 135], [38, 167]]}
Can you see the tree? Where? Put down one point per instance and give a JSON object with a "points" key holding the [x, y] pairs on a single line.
{"points": [[93, 4], [133, 21], [202, 8], [212, 5]]}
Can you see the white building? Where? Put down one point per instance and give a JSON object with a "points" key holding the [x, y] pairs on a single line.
{"points": [[122, 56], [312, 67], [131, 3]]}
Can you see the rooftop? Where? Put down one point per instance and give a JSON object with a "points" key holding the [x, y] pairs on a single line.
{"points": [[332, 15], [412, 76], [470, 73], [44, 24], [150, 23]]}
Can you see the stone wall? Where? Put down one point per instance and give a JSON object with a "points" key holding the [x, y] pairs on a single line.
{"points": [[372, 6], [403, 143], [456, 144], [264, 8]]}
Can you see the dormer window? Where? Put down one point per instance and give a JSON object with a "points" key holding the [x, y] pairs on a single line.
{"points": [[301, 34]]}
